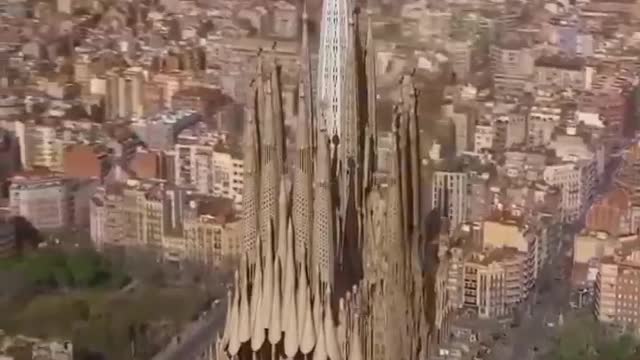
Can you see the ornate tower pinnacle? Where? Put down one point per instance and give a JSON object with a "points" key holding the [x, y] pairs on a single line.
{"points": [[305, 74], [322, 249], [334, 41], [371, 135], [271, 153], [302, 207]]}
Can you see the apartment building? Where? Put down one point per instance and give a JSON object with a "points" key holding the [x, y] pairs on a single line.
{"points": [[135, 214], [455, 277], [509, 130], [483, 137], [561, 72], [38, 146], [211, 232], [160, 131], [85, 161], [460, 53], [174, 226], [511, 232], [51, 201], [210, 167], [614, 213], [450, 195], [627, 177], [568, 178], [588, 157], [617, 290], [524, 164], [42, 198], [124, 94], [589, 248], [464, 131], [589, 245], [512, 65], [541, 123], [426, 21], [495, 281], [9, 154]]}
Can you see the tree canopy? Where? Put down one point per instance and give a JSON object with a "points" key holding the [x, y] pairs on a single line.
{"points": [[81, 269], [585, 339]]}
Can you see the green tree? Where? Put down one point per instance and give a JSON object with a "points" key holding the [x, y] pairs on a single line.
{"points": [[84, 268], [38, 269], [621, 348], [584, 339], [575, 341]]}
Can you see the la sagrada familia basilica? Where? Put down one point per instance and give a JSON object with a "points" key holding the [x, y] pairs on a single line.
{"points": [[335, 264]]}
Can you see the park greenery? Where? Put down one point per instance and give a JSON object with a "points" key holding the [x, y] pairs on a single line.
{"points": [[82, 296], [585, 339], [119, 325], [57, 270]]}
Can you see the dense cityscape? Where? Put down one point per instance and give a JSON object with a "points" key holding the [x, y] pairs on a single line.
{"points": [[326, 179]]}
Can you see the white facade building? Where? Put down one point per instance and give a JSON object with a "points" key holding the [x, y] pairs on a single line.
{"points": [[44, 201], [541, 123], [568, 178], [483, 137], [210, 169], [450, 195]]}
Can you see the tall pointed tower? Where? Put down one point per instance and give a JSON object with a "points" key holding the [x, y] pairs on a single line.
{"points": [[302, 201], [334, 41], [371, 129], [250, 198], [271, 158], [323, 240]]}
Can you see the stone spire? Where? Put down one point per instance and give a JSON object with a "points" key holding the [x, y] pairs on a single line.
{"points": [[409, 108], [250, 196], [278, 117], [267, 283], [334, 37], [305, 314], [302, 207], [244, 322], [331, 337], [349, 149], [290, 314], [322, 242], [275, 325], [306, 75], [234, 320], [371, 132], [270, 154], [394, 237], [281, 226], [258, 316], [349, 122], [395, 297], [355, 343]]}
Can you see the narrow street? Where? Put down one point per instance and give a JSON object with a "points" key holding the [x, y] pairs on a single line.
{"points": [[540, 314], [191, 343]]}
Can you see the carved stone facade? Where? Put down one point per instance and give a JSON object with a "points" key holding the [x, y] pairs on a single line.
{"points": [[341, 269]]}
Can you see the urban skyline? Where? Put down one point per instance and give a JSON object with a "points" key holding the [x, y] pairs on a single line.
{"points": [[415, 179]]}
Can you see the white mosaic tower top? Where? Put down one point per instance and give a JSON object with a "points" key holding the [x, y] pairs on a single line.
{"points": [[332, 65]]}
